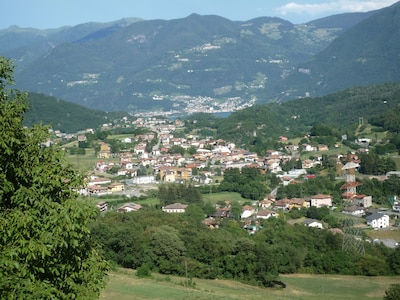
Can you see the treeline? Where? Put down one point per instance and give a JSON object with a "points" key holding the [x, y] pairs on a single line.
{"points": [[380, 191], [173, 193], [180, 244]]}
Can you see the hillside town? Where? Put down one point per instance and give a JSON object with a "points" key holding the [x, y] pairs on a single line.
{"points": [[139, 166]]}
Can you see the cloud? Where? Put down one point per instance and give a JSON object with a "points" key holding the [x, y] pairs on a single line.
{"points": [[333, 7]]}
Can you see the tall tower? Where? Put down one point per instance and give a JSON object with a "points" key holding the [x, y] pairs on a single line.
{"points": [[352, 239], [351, 184]]}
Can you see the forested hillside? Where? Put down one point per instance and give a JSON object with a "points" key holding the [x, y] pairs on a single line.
{"points": [[263, 124], [357, 57], [164, 64], [65, 116]]}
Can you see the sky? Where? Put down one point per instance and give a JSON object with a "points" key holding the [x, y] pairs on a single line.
{"points": [[44, 14]]}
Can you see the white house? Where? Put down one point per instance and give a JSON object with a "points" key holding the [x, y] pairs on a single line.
{"points": [[378, 220], [363, 200], [129, 207], [321, 200], [175, 208], [266, 214], [313, 223], [247, 211]]}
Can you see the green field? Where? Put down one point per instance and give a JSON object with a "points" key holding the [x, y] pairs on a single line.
{"points": [[83, 162], [123, 284], [224, 196]]}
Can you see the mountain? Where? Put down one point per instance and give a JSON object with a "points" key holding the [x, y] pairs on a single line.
{"points": [[65, 116], [25, 45], [190, 64], [365, 54]]}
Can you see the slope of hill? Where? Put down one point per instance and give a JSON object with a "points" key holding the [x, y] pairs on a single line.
{"points": [[64, 116], [366, 54], [176, 64], [340, 110]]}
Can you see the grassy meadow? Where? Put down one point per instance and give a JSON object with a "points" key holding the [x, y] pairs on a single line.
{"points": [[123, 284]]}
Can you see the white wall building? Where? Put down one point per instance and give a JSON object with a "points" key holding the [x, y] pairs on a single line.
{"points": [[378, 220]]}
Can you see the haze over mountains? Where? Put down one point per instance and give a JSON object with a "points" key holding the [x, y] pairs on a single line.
{"points": [[205, 63]]}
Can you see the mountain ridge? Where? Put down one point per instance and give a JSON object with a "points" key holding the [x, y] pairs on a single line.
{"points": [[374, 60], [204, 61]]}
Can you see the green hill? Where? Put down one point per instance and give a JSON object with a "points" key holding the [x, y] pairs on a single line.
{"points": [[341, 110], [65, 116]]}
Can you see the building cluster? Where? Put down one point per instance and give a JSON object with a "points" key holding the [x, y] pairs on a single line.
{"points": [[151, 151]]}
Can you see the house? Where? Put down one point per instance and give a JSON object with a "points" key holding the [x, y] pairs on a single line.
{"points": [[128, 207], [82, 138], [116, 187], [247, 211], [102, 206], [99, 181], [297, 203], [283, 138], [105, 150], [322, 148], [143, 179], [295, 173], [282, 204], [307, 164], [362, 200], [221, 212], [321, 200], [313, 223], [266, 214], [175, 208], [308, 148], [378, 220], [357, 211], [97, 190], [265, 203]]}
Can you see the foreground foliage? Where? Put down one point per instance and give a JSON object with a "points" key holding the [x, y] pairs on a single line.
{"points": [[46, 250], [178, 244]]}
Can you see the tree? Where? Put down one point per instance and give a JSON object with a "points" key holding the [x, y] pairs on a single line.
{"points": [[46, 247], [143, 271], [393, 293], [394, 261], [168, 249]]}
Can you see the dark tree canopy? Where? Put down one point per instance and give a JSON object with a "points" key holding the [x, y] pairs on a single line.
{"points": [[46, 249]]}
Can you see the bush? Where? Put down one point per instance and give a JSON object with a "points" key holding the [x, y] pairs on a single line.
{"points": [[143, 271], [393, 293]]}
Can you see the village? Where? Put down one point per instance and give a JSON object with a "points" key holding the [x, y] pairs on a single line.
{"points": [[208, 160]]}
